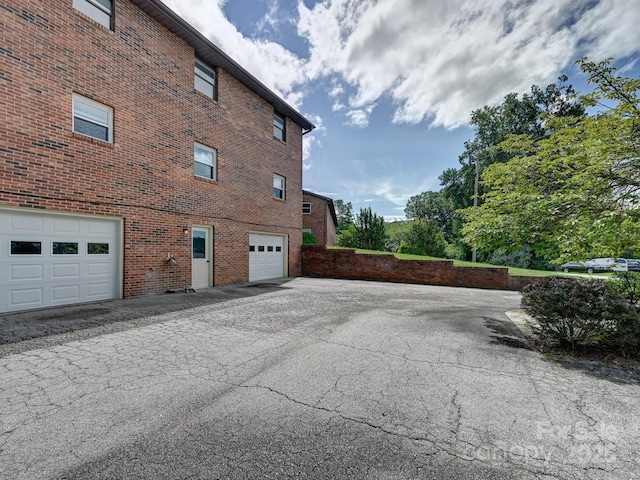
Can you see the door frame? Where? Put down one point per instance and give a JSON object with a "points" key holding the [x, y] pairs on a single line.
{"points": [[209, 251]]}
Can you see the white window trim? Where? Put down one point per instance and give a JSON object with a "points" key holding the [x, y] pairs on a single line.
{"points": [[214, 167], [308, 205], [207, 74], [283, 189], [282, 131], [99, 106]]}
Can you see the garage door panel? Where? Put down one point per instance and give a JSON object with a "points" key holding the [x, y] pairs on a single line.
{"points": [[98, 289], [65, 293], [25, 297], [26, 272], [65, 270], [26, 223], [60, 225], [78, 260]]}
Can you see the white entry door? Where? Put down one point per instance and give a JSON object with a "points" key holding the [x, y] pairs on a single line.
{"points": [[266, 256], [200, 257]]}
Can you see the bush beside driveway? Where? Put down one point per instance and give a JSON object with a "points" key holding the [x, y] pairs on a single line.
{"points": [[315, 378]]}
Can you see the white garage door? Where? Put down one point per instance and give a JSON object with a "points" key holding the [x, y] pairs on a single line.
{"points": [[266, 256], [49, 260]]}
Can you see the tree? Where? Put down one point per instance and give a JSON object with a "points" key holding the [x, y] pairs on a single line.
{"points": [[493, 124], [344, 212], [573, 193], [370, 230], [425, 237], [435, 207]]}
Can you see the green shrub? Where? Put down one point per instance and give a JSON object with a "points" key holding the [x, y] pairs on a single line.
{"points": [[627, 284], [571, 310], [520, 258], [308, 239]]}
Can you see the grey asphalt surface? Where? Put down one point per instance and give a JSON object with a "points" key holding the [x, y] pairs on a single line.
{"points": [[305, 378]]}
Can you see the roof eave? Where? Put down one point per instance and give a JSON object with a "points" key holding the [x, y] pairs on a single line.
{"points": [[210, 53]]}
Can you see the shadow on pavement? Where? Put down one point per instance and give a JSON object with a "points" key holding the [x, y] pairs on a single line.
{"points": [[21, 331]]}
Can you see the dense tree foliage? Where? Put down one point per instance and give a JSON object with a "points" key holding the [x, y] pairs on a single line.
{"points": [[493, 124], [436, 208], [370, 230], [424, 237], [573, 192], [344, 212]]}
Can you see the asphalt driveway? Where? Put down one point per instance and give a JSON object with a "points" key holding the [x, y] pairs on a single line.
{"points": [[308, 378]]}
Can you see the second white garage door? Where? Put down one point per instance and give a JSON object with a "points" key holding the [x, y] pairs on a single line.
{"points": [[266, 256]]}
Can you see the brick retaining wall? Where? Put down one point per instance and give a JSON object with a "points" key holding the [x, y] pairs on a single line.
{"points": [[319, 261]]}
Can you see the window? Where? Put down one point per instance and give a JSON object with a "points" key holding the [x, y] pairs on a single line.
{"points": [[99, 10], [278, 187], [205, 79], [306, 230], [98, 248], [205, 161], [278, 127], [92, 119], [65, 248], [26, 248], [306, 208]]}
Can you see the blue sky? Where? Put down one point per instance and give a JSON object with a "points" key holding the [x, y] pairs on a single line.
{"points": [[391, 84]]}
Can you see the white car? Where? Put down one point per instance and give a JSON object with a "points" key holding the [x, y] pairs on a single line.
{"points": [[600, 265]]}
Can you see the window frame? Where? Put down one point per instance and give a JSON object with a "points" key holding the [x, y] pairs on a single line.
{"points": [[306, 208], [95, 10], [214, 167], [202, 71], [279, 132], [276, 188], [98, 106]]}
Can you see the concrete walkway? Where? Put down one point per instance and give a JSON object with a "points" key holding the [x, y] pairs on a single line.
{"points": [[308, 378]]}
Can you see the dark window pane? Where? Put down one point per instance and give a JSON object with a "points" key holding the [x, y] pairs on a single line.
{"points": [[26, 248], [252, 248], [90, 129], [261, 248], [278, 249], [203, 170], [65, 248], [199, 245], [98, 248], [269, 248]]}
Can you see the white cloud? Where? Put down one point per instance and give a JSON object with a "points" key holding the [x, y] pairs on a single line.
{"points": [[312, 139], [438, 60], [276, 67]]}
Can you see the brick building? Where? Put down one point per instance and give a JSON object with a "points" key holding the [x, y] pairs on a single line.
{"points": [[136, 158], [319, 217]]}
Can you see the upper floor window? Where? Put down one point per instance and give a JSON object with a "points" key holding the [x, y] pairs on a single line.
{"points": [[205, 79], [278, 127], [204, 161], [278, 187], [92, 119], [99, 10], [306, 207]]}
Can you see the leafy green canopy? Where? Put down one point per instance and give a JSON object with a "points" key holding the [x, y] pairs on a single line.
{"points": [[574, 192]]}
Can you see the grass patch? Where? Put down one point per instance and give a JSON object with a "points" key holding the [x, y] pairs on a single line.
{"points": [[523, 272]]}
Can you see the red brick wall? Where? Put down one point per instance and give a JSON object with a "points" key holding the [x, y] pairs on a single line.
{"points": [[319, 220], [318, 261], [48, 51]]}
